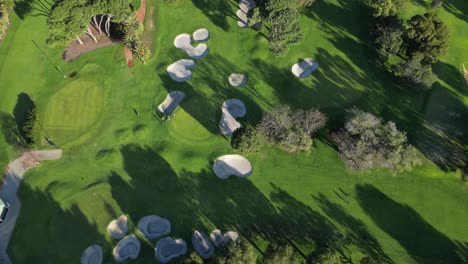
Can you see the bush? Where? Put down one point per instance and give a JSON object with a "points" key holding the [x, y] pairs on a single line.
{"points": [[246, 140], [28, 127], [365, 143], [240, 252], [291, 130], [413, 73], [387, 33], [192, 258], [281, 254], [325, 256]]}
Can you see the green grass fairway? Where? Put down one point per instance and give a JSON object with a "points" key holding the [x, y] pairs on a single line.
{"points": [[73, 110], [116, 162]]}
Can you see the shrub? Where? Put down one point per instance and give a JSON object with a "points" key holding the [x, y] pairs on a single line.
{"points": [[325, 256], [240, 252], [413, 73], [291, 130], [365, 143], [28, 126], [387, 33], [280, 254], [246, 140]]}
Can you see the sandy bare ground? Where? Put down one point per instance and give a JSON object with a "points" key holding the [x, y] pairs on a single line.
{"points": [[232, 109], [127, 248], [168, 248], [92, 255], [76, 49], [154, 226], [304, 68], [118, 228], [202, 244], [220, 240], [229, 165], [9, 186], [180, 70], [173, 99]]}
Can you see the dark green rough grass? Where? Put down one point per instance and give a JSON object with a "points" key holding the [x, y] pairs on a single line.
{"points": [[134, 165]]}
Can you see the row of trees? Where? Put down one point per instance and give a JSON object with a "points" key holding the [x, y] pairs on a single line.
{"points": [[132, 30], [365, 141], [284, 20], [69, 19], [420, 42], [5, 6]]}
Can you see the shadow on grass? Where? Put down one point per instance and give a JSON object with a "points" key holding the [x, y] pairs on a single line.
{"points": [[452, 76], [458, 8], [33, 8], [217, 11], [10, 131], [421, 240], [50, 233]]}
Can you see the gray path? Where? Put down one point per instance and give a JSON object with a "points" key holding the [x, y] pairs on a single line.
{"points": [[9, 187]]}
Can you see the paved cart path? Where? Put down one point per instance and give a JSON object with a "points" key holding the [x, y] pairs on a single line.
{"points": [[9, 186]]}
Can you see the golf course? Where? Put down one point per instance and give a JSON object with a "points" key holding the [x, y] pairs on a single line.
{"points": [[120, 157]]}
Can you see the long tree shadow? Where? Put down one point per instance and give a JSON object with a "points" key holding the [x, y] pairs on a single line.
{"points": [[356, 231], [24, 8], [458, 8], [421, 240], [217, 11], [9, 128], [50, 233], [452, 76]]}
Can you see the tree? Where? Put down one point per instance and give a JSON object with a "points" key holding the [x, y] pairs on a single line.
{"points": [[325, 256], [240, 252], [382, 8], [141, 52], [428, 35], [304, 3], [133, 26], [387, 33], [291, 130], [255, 19], [436, 4], [365, 143], [27, 130], [280, 254], [192, 258], [285, 22], [246, 140], [414, 73]]}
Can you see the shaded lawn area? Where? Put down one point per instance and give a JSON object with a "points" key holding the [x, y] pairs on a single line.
{"points": [[132, 164]]}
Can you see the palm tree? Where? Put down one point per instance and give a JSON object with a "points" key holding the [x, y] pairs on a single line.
{"points": [[141, 52], [133, 26], [129, 41]]}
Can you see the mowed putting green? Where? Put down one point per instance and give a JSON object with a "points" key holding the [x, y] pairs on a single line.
{"points": [[73, 110]]}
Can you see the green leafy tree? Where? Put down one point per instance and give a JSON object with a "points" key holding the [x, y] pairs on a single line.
{"points": [[387, 33], [240, 252], [366, 142], [246, 140], [413, 73], [141, 52], [255, 19], [192, 258], [281, 254], [382, 8], [28, 127], [428, 35], [325, 256], [285, 22], [133, 26]]}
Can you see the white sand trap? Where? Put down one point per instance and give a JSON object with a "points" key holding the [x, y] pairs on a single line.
{"points": [[92, 255], [220, 240], [201, 35], [173, 99], [184, 42], [244, 9], [153, 226], [232, 109], [168, 248], [127, 248], [118, 228], [237, 80], [304, 68], [229, 165], [180, 70], [202, 245]]}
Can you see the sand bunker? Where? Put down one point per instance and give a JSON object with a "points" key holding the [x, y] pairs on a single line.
{"points": [[173, 99], [168, 248], [202, 244], [201, 35], [184, 42], [229, 165], [118, 228], [220, 240], [232, 109], [127, 248], [92, 255], [180, 70], [242, 13], [304, 68], [153, 226], [237, 80]]}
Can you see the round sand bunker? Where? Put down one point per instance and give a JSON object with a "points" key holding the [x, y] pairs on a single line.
{"points": [[168, 248], [153, 226], [127, 248], [304, 68], [201, 35], [220, 240], [202, 244], [184, 42], [237, 80], [180, 70], [92, 255], [118, 228], [229, 165]]}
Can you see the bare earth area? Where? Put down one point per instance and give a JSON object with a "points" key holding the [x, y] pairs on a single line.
{"points": [[76, 49]]}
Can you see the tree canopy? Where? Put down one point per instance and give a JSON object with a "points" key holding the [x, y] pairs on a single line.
{"points": [[428, 35], [387, 33], [413, 73], [240, 252]]}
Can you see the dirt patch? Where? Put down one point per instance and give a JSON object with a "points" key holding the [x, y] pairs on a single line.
{"points": [[129, 57], [76, 49], [148, 34]]}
